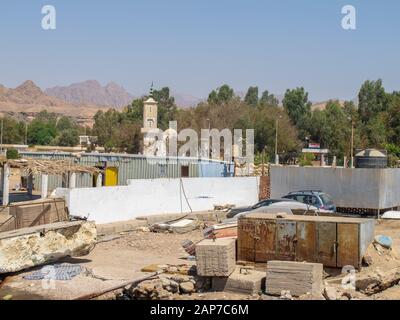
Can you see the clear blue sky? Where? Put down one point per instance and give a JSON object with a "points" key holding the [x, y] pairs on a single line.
{"points": [[195, 46]]}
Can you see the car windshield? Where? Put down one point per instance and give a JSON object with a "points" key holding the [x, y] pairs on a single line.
{"points": [[260, 204], [327, 200]]}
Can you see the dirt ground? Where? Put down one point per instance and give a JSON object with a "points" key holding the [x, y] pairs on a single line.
{"points": [[121, 257]]}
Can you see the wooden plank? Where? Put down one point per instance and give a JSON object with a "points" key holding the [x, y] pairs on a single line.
{"points": [[348, 245], [326, 244], [265, 245], [306, 242]]}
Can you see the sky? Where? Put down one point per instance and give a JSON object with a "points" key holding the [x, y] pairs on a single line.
{"points": [[194, 46]]}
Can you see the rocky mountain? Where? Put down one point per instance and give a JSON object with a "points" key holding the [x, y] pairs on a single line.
{"points": [[26, 100], [91, 92], [183, 100]]}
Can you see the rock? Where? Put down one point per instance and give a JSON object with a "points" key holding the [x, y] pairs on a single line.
{"points": [[330, 293], [181, 278], [186, 287], [31, 247], [285, 295], [151, 268], [309, 296]]}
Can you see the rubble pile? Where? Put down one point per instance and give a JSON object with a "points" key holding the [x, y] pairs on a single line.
{"points": [[166, 287]]}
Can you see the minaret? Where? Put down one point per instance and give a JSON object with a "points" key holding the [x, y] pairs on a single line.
{"points": [[150, 113], [150, 125]]}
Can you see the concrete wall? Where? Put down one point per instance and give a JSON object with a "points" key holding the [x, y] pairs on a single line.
{"points": [[351, 188], [158, 196]]}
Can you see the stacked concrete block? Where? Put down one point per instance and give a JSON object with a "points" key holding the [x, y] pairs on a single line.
{"points": [[249, 282], [297, 277], [216, 258]]}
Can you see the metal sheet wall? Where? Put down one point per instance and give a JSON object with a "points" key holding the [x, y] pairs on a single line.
{"points": [[132, 167]]}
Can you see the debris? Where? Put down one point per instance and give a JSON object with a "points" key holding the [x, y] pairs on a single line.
{"points": [[250, 283], [63, 271], [8, 297], [330, 293], [182, 269], [285, 295], [224, 208], [108, 238], [216, 257], [43, 244], [223, 230], [190, 247], [181, 226], [297, 277], [395, 215], [376, 255], [384, 241], [165, 287], [133, 283], [374, 281]]}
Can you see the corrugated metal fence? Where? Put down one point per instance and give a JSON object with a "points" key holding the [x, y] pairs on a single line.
{"points": [[132, 167]]}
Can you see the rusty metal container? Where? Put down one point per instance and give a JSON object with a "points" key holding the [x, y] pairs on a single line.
{"points": [[333, 241]]}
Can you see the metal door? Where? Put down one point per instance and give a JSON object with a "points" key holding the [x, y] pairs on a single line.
{"points": [[265, 244], [348, 244], [286, 240], [306, 249], [326, 244], [246, 241]]}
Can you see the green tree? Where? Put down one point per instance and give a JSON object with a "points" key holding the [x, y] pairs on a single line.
{"points": [[135, 110], [166, 107], [269, 99], [67, 138], [13, 131], [251, 97], [222, 95], [64, 123], [42, 130], [372, 100], [297, 105]]}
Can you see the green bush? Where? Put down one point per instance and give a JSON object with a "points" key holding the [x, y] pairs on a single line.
{"points": [[12, 154], [306, 159]]}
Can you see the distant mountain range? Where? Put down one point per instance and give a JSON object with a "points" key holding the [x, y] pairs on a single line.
{"points": [[26, 100], [81, 100], [92, 93]]}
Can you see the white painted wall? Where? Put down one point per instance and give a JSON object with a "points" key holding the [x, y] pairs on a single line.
{"points": [[158, 196]]}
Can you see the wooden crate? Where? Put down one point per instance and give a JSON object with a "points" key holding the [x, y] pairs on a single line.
{"points": [[332, 241]]}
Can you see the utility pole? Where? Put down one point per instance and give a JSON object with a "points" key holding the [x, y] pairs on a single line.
{"points": [[26, 133], [352, 145], [1, 137], [276, 141]]}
